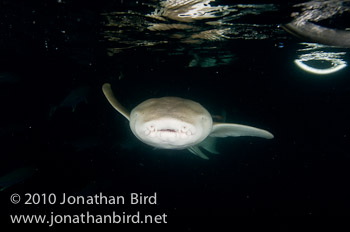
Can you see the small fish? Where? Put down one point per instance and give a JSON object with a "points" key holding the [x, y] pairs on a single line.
{"points": [[16, 176], [9, 78], [85, 143], [89, 189], [73, 99]]}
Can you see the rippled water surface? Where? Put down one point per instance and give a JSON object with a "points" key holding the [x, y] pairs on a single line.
{"points": [[60, 135]]}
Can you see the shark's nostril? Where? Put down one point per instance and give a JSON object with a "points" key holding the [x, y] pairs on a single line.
{"points": [[184, 129]]}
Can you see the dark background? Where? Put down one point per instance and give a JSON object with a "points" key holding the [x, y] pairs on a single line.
{"points": [[297, 180]]}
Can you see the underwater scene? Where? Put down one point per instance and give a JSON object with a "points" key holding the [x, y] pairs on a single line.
{"points": [[175, 115]]}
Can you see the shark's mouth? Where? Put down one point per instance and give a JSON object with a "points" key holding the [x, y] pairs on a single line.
{"points": [[168, 133], [169, 130]]}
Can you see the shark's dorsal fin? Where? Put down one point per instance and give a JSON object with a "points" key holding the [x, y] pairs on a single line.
{"points": [[235, 130], [107, 90]]}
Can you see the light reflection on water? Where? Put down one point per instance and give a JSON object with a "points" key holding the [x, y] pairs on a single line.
{"points": [[187, 22], [315, 58]]}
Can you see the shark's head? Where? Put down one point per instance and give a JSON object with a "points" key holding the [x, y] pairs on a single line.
{"points": [[170, 122]]}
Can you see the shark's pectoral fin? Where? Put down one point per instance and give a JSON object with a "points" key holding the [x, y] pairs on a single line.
{"points": [[195, 150], [107, 90], [209, 144], [235, 130]]}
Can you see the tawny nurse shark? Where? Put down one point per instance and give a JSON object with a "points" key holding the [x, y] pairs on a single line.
{"points": [[177, 123]]}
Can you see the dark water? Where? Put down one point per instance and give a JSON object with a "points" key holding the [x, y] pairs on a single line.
{"points": [[56, 50]]}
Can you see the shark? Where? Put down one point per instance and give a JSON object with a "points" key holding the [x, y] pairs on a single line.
{"points": [[178, 123]]}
